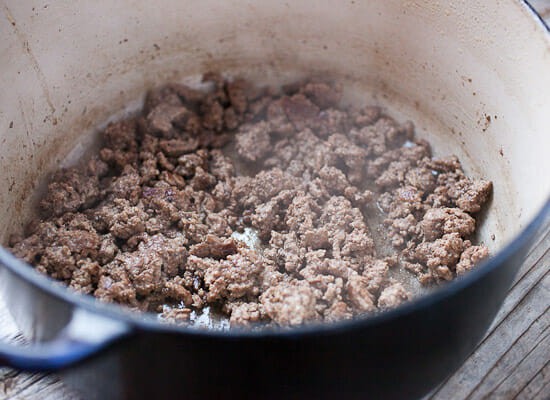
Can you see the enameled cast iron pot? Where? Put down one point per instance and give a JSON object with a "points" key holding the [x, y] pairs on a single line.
{"points": [[473, 75]]}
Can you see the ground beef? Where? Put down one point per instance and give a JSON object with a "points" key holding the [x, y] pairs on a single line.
{"points": [[258, 205]]}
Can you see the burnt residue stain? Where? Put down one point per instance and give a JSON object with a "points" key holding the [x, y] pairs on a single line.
{"points": [[487, 122], [484, 122], [501, 152], [464, 80], [9, 17], [34, 62], [22, 186], [11, 124]]}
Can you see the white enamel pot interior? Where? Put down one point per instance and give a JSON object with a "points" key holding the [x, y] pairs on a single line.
{"points": [[473, 76]]}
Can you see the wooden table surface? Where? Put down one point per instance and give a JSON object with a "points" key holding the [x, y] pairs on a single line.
{"points": [[511, 362]]}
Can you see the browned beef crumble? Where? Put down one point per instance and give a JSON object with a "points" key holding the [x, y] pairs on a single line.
{"points": [[259, 204]]}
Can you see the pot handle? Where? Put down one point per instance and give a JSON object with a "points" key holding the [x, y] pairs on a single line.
{"points": [[85, 335]]}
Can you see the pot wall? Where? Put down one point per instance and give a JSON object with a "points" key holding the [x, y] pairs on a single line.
{"points": [[472, 75]]}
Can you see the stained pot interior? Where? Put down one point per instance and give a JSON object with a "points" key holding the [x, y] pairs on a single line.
{"points": [[471, 75]]}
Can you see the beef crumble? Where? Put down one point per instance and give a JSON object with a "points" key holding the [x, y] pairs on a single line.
{"points": [[258, 204]]}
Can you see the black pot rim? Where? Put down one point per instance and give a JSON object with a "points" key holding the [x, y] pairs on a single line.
{"points": [[149, 322]]}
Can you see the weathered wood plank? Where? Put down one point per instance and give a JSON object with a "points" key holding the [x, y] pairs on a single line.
{"points": [[43, 388], [529, 274], [525, 356], [543, 394], [538, 387], [527, 311], [16, 385], [526, 370]]}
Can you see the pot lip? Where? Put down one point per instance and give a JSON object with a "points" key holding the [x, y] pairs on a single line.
{"points": [[148, 322]]}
